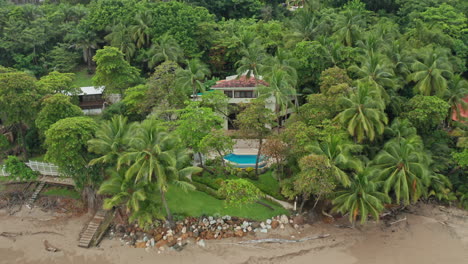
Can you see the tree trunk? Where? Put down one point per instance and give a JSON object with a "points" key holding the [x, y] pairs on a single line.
{"points": [[260, 143], [278, 118], [170, 219], [302, 203], [88, 51], [201, 158], [90, 195], [222, 158]]}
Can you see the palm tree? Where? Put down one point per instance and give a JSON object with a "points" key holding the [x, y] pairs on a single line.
{"points": [[361, 198], [348, 27], [192, 76], [455, 95], [137, 197], [363, 114], [140, 31], [111, 140], [403, 166], [402, 129], [119, 38], [283, 60], [166, 49], [155, 156], [431, 73], [305, 26], [281, 88], [339, 156], [374, 70], [252, 60], [85, 40]]}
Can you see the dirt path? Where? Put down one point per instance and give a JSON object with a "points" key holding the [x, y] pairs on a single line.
{"points": [[430, 235]]}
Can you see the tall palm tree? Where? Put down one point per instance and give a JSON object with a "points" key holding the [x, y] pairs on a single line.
{"points": [[281, 88], [375, 70], [455, 95], [403, 166], [361, 198], [155, 156], [363, 115], [165, 49], [283, 60], [120, 38], [304, 26], [111, 140], [339, 156], [140, 30], [85, 40], [348, 26], [252, 60], [190, 78], [431, 73]]}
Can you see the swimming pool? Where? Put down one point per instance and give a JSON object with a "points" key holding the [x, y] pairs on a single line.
{"points": [[244, 161]]}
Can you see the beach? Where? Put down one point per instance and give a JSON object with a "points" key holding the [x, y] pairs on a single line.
{"points": [[430, 234]]}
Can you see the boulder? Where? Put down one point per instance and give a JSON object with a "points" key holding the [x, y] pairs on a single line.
{"points": [[239, 233], [284, 219], [298, 220], [201, 243], [140, 245], [161, 243], [275, 224]]}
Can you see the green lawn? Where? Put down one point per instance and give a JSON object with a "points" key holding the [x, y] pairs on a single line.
{"points": [[82, 78], [63, 192], [195, 203]]}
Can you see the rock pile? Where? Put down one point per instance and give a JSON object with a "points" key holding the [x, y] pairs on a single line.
{"points": [[199, 229]]}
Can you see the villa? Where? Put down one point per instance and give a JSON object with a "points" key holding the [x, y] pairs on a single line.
{"points": [[92, 100]]}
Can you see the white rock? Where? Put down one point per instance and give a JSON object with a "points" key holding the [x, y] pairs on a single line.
{"points": [[152, 242], [268, 226], [262, 225], [210, 218], [212, 222], [184, 230], [268, 221], [282, 226], [201, 243], [264, 230], [249, 229], [284, 219], [296, 226]]}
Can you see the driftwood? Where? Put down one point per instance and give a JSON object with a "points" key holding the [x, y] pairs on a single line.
{"points": [[13, 235], [49, 247], [279, 240], [397, 221]]}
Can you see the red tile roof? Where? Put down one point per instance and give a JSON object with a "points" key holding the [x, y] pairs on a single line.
{"points": [[463, 113], [242, 81]]}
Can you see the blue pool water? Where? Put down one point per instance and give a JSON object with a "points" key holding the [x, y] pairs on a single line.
{"points": [[244, 161]]}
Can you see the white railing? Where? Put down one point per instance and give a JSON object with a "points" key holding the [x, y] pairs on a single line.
{"points": [[44, 168], [3, 172]]}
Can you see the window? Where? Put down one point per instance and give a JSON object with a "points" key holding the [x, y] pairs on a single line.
{"points": [[244, 94], [228, 93]]}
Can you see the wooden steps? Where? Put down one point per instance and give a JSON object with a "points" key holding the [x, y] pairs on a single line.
{"points": [[93, 232], [30, 203]]}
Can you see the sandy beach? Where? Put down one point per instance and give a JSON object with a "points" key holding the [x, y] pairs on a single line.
{"points": [[431, 234]]}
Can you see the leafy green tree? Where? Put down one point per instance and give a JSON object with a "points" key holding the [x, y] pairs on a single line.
{"points": [[240, 192], [55, 108], [231, 9], [195, 123], [348, 26], [162, 88], [163, 50], [156, 157], [217, 141], [255, 121], [113, 71], [66, 144], [426, 112], [63, 59], [339, 156], [56, 82], [363, 115], [219, 103], [430, 73], [190, 78], [111, 140], [446, 17], [334, 81], [315, 178], [361, 198], [403, 166]]}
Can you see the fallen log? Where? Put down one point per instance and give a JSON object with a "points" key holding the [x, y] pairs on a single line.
{"points": [[49, 247], [397, 221], [13, 235], [279, 240]]}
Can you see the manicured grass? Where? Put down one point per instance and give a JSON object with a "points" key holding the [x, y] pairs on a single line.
{"points": [[38, 158], [63, 192], [195, 203], [268, 184], [82, 78]]}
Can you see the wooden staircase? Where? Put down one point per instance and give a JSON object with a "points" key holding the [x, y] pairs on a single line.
{"points": [[30, 203], [95, 228]]}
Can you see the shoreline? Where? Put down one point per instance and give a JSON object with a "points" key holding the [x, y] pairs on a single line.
{"points": [[429, 235]]}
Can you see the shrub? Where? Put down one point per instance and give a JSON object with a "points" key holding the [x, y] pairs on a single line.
{"points": [[18, 169]]}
